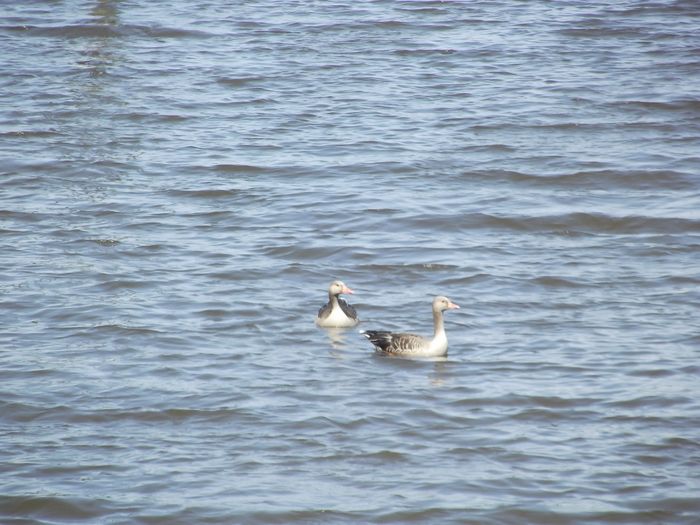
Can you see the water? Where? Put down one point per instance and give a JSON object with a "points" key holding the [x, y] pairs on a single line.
{"points": [[180, 182]]}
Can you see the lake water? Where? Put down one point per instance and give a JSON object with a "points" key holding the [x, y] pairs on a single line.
{"points": [[180, 182]]}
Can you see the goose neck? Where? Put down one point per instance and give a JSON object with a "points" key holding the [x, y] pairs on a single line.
{"points": [[438, 323]]}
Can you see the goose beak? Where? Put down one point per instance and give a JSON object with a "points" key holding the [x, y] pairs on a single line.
{"points": [[453, 306], [346, 290]]}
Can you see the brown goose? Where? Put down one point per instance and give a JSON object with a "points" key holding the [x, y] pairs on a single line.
{"points": [[411, 345], [336, 313]]}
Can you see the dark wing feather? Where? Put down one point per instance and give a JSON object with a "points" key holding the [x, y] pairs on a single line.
{"points": [[407, 344], [347, 309], [325, 310], [381, 340], [391, 343]]}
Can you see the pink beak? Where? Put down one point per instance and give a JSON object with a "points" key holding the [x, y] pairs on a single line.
{"points": [[346, 290], [452, 306]]}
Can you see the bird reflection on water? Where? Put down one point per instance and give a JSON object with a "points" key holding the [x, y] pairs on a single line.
{"points": [[337, 338]]}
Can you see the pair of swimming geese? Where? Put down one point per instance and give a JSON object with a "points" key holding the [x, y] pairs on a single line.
{"points": [[339, 314]]}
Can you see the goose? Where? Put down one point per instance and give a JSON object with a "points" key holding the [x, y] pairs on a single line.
{"points": [[412, 345], [336, 313]]}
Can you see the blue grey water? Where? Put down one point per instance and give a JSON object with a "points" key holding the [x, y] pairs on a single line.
{"points": [[180, 181]]}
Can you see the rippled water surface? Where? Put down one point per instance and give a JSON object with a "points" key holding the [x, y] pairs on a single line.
{"points": [[180, 182]]}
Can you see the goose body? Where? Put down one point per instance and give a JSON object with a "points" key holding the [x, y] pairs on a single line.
{"points": [[337, 313], [412, 345]]}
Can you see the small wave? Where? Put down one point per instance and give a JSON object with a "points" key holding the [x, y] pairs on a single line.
{"points": [[385, 24], [534, 515], [166, 415], [168, 32], [240, 81], [651, 373], [69, 31], [206, 194], [290, 517], [25, 217], [678, 504], [549, 402], [550, 281], [540, 414], [108, 243], [214, 313], [300, 253], [689, 104], [125, 284], [106, 31], [153, 117], [70, 509], [430, 515], [125, 330], [238, 168], [422, 10], [595, 179], [424, 52], [596, 31], [380, 458], [390, 268], [650, 401], [29, 133], [567, 224]]}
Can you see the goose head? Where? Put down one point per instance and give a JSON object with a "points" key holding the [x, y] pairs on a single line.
{"points": [[338, 287], [442, 303]]}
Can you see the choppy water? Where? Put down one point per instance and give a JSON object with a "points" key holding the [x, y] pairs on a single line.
{"points": [[180, 182]]}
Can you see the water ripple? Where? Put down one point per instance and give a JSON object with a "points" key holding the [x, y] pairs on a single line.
{"points": [[180, 186]]}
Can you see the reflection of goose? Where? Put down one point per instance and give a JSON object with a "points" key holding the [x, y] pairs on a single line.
{"points": [[336, 337], [411, 345], [336, 313]]}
